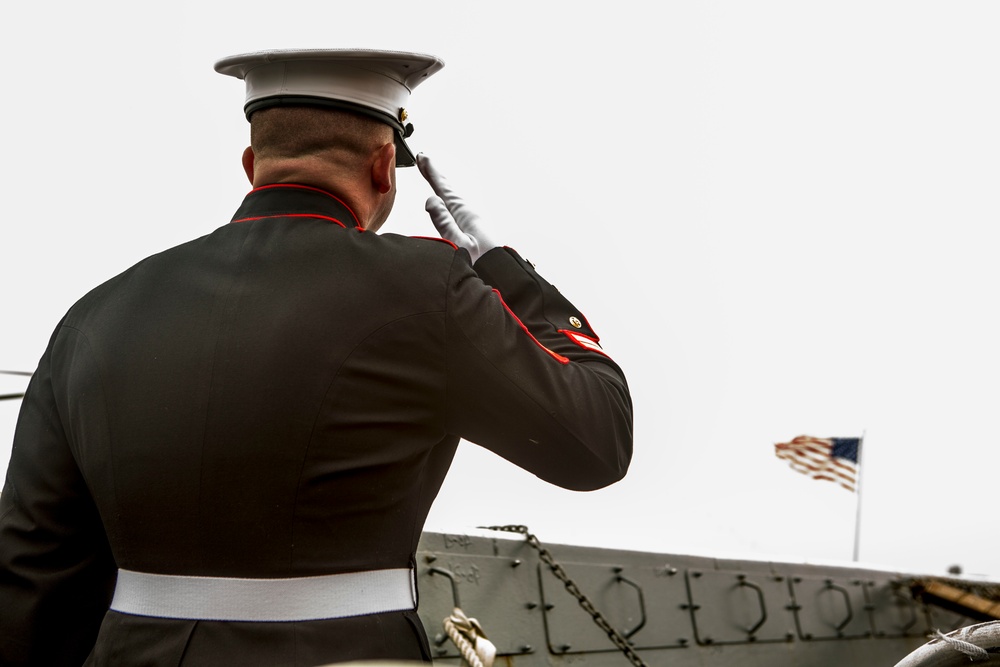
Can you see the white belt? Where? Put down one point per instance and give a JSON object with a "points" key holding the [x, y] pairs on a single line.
{"points": [[294, 599]]}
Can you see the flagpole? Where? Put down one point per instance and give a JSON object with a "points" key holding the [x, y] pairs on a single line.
{"points": [[857, 518]]}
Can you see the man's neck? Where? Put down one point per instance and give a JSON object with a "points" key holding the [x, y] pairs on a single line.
{"points": [[318, 174]]}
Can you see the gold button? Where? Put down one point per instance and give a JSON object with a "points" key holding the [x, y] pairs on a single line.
{"points": [[575, 321]]}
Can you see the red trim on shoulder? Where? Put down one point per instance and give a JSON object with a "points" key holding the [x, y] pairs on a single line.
{"points": [[294, 215], [586, 342], [436, 238], [312, 189], [587, 324], [558, 357]]}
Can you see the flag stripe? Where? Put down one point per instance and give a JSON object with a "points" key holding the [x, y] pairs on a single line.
{"points": [[829, 459], [814, 463], [813, 466], [819, 464]]}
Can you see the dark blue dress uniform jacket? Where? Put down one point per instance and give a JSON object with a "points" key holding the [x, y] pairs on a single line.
{"points": [[281, 398]]}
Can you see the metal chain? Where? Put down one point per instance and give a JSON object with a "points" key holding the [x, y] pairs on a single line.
{"points": [[588, 606]]}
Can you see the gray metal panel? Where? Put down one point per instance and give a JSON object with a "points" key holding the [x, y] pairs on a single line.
{"points": [[830, 608], [492, 590], [740, 607], [501, 593], [894, 611], [648, 602]]}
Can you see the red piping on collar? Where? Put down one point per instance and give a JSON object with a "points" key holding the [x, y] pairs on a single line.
{"points": [[558, 357], [293, 215], [312, 189]]}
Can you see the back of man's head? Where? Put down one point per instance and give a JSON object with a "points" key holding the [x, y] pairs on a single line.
{"points": [[350, 155], [344, 139]]}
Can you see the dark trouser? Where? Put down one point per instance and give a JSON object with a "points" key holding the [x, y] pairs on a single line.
{"points": [[138, 640]]}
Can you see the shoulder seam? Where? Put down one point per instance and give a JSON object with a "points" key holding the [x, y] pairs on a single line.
{"points": [[435, 238]]}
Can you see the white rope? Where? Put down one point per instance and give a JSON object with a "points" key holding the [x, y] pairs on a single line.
{"points": [[968, 648], [464, 647], [470, 639]]}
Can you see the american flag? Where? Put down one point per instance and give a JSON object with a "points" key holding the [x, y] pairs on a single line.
{"points": [[832, 459]]}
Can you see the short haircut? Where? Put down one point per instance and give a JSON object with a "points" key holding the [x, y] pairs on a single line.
{"points": [[284, 132]]}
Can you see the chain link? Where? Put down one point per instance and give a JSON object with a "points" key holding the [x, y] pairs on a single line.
{"points": [[588, 606]]}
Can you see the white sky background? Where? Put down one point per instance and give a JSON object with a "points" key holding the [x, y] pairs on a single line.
{"points": [[781, 217]]}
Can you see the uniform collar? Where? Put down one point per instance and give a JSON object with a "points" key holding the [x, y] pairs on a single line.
{"points": [[281, 200]]}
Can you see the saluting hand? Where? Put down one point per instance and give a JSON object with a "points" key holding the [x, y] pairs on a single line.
{"points": [[451, 216]]}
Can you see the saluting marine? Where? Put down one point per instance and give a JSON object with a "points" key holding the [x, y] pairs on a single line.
{"points": [[227, 452]]}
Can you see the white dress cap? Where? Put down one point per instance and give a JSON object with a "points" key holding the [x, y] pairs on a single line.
{"points": [[374, 83]]}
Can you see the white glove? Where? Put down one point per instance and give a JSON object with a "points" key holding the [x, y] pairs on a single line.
{"points": [[451, 216]]}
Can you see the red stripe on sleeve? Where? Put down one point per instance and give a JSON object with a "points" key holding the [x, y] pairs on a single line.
{"points": [[558, 357]]}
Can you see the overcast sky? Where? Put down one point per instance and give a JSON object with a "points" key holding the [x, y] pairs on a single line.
{"points": [[781, 218]]}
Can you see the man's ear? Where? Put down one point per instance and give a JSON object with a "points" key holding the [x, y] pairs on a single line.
{"points": [[248, 163], [383, 168]]}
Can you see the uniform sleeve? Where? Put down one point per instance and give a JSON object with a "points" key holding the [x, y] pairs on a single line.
{"points": [[56, 570], [527, 378]]}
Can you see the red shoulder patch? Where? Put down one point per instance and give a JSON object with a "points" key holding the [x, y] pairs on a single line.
{"points": [[586, 342]]}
